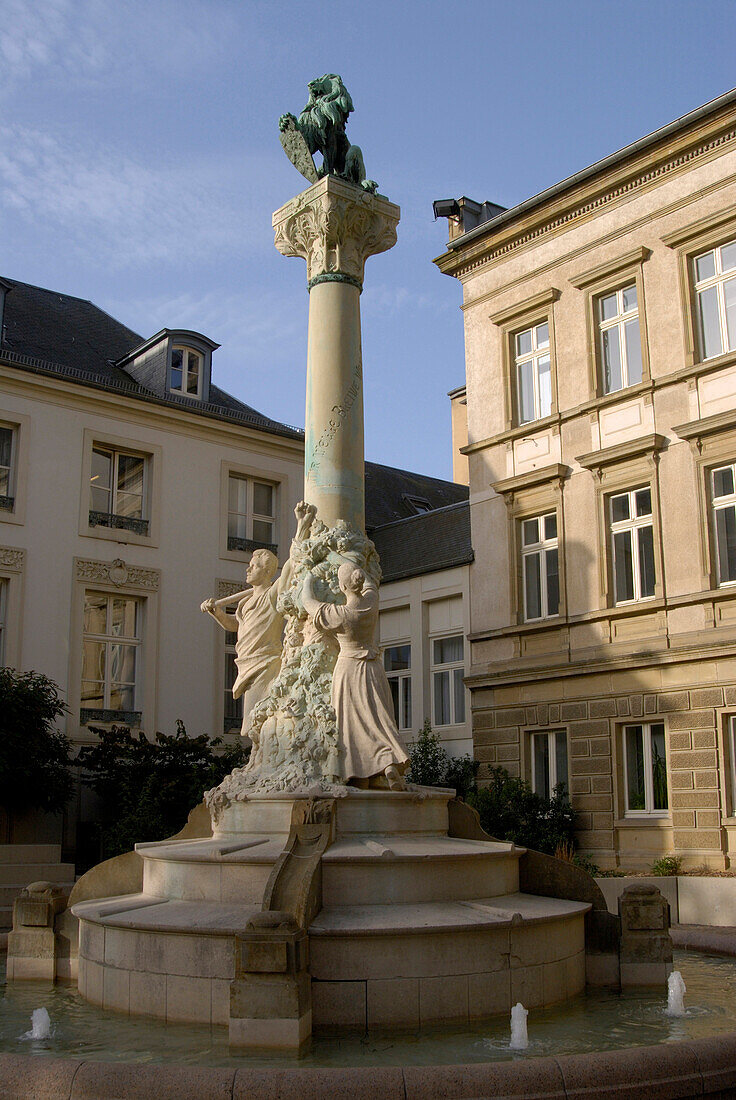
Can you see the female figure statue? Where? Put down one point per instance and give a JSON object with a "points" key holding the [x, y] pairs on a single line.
{"points": [[369, 739]]}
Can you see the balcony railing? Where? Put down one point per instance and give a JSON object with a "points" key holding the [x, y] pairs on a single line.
{"points": [[7, 504], [247, 545], [98, 714], [126, 523]]}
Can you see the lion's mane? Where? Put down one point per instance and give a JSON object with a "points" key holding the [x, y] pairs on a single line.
{"points": [[331, 107]]}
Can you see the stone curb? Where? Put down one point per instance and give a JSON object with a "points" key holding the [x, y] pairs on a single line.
{"points": [[719, 941], [700, 1067]]}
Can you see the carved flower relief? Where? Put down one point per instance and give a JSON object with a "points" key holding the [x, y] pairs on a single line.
{"points": [[117, 573]]}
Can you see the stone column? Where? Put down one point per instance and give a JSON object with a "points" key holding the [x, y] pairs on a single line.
{"points": [[335, 226]]}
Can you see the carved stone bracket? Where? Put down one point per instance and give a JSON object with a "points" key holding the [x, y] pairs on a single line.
{"points": [[12, 559], [117, 573], [335, 227]]}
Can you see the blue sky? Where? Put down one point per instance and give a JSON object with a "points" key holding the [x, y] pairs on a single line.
{"points": [[140, 161]]}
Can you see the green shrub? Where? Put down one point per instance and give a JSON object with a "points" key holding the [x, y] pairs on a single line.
{"points": [[148, 787], [510, 810], [431, 766], [667, 865], [34, 755]]}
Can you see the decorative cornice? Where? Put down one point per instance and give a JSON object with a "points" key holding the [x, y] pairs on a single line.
{"points": [[116, 573], [335, 227], [483, 253], [12, 559], [556, 472], [695, 430], [608, 456], [529, 305], [596, 274], [711, 223]]}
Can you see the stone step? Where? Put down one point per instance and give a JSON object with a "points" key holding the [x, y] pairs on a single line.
{"points": [[482, 935], [419, 811], [234, 871], [404, 870], [358, 870], [30, 853], [36, 872]]}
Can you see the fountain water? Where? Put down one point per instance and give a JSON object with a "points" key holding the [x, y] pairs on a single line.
{"points": [[519, 1035], [676, 989], [40, 1025]]}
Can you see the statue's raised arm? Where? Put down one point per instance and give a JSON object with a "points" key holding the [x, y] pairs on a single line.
{"points": [[320, 128]]}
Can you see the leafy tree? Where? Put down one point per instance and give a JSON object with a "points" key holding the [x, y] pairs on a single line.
{"points": [[147, 788], [431, 766], [510, 810], [34, 755]]}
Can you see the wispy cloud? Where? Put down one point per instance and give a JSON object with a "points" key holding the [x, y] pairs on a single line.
{"points": [[51, 35], [119, 210], [79, 41]]}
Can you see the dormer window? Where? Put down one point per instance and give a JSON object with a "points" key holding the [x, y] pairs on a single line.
{"points": [[185, 375]]}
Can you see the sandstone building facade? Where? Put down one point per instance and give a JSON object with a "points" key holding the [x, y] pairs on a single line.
{"points": [[599, 425]]}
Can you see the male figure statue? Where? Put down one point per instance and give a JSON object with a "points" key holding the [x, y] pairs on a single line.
{"points": [[258, 623]]}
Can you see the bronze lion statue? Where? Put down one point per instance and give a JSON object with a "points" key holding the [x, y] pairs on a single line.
{"points": [[322, 127]]}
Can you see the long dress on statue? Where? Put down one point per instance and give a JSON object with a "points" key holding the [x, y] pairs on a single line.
{"points": [[368, 736]]}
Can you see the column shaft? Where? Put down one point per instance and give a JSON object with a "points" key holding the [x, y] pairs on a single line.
{"points": [[333, 455]]}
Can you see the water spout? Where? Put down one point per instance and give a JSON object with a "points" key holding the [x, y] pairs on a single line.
{"points": [[519, 1036], [676, 995], [40, 1025]]}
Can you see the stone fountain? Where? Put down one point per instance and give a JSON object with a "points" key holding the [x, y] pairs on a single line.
{"points": [[325, 894]]}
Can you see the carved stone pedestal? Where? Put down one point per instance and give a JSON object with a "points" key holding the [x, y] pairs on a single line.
{"points": [[646, 945], [271, 996], [32, 944]]}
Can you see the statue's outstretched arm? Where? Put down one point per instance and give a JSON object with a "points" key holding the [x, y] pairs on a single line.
{"points": [[211, 607], [305, 514]]}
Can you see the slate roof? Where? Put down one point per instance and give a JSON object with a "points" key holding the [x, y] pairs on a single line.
{"points": [[75, 339], [387, 490], [425, 543]]}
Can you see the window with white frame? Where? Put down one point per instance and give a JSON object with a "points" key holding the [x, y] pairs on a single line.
{"points": [[185, 375], [723, 500], [620, 339], [110, 651], [233, 710], [540, 567], [251, 517], [118, 489], [533, 373], [549, 761], [397, 663], [645, 769], [3, 616], [448, 690], [632, 545], [731, 747], [715, 299], [7, 467]]}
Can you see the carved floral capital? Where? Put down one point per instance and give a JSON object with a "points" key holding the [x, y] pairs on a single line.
{"points": [[335, 227]]}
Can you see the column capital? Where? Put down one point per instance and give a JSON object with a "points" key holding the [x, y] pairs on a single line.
{"points": [[335, 226]]}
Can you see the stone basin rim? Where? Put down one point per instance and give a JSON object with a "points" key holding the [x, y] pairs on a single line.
{"points": [[706, 1064]]}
